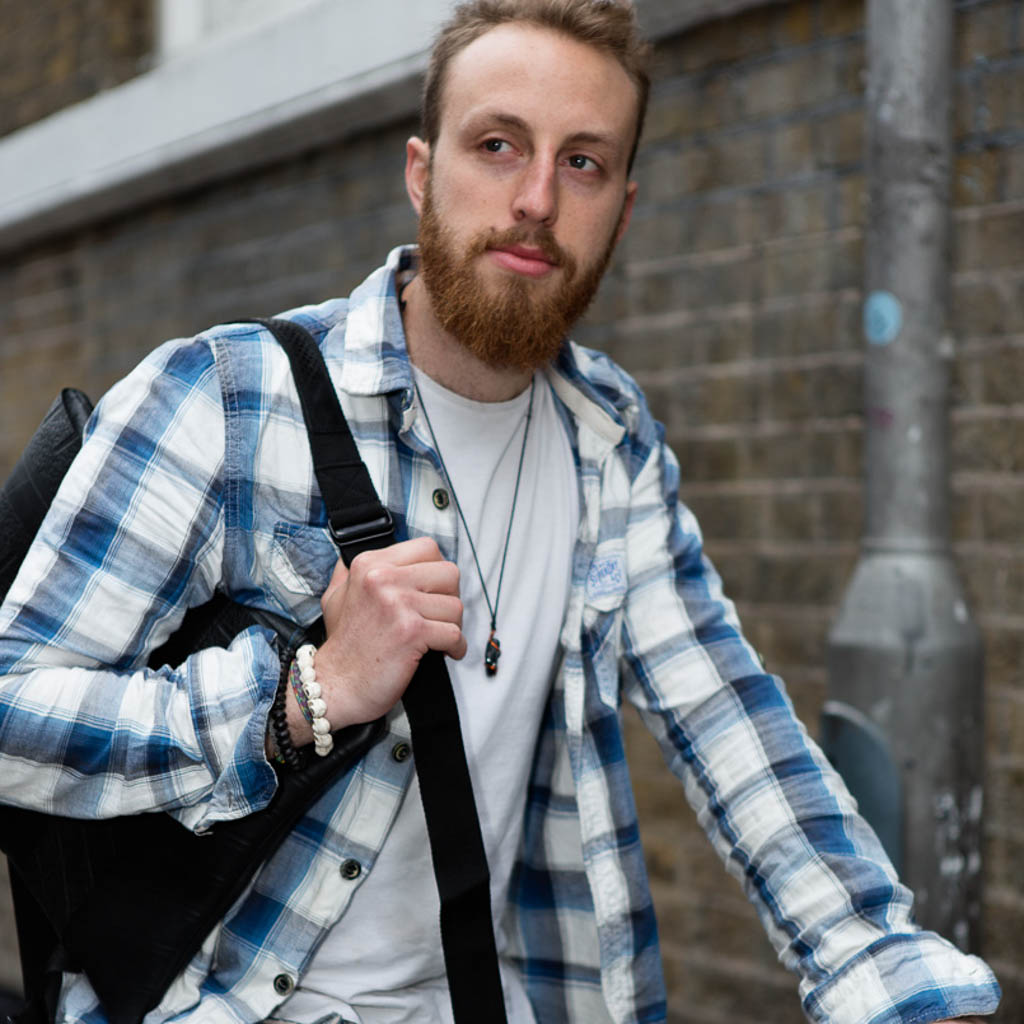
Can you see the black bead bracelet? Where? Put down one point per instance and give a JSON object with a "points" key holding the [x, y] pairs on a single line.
{"points": [[279, 715]]}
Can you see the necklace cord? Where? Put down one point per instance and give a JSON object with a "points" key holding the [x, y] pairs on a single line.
{"points": [[493, 609], [515, 498]]}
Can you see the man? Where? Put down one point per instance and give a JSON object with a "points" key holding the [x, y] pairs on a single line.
{"points": [[542, 536]]}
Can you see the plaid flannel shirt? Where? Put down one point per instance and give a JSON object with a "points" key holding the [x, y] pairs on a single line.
{"points": [[195, 476]]}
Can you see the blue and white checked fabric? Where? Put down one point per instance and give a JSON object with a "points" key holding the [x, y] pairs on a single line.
{"points": [[195, 476]]}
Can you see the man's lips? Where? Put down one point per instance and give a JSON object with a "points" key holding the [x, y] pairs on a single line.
{"points": [[523, 259]]}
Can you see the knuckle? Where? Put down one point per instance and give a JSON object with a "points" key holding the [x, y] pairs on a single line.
{"points": [[387, 604], [361, 564], [377, 582], [430, 547], [407, 629]]}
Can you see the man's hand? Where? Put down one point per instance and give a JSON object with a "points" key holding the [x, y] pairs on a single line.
{"points": [[382, 616]]}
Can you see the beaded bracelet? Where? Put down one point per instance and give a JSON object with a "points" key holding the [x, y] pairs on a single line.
{"points": [[279, 718], [323, 742], [295, 678], [275, 754]]}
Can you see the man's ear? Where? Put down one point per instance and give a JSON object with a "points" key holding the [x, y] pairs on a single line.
{"points": [[417, 171], [627, 211]]}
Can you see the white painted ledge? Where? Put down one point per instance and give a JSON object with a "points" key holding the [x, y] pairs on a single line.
{"points": [[238, 101], [330, 69]]}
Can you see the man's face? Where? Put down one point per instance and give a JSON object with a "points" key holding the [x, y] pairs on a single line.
{"points": [[524, 195]]}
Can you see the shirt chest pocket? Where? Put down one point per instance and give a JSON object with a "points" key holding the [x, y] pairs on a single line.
{"points": [[300, 563], [603, 608]]}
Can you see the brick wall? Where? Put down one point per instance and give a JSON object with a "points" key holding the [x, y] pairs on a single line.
{"points": [[988, 431], [83, 309], [735, 301], [54, 53]]}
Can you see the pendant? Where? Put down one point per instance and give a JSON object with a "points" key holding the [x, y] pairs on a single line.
{"points": [[492, 654]]}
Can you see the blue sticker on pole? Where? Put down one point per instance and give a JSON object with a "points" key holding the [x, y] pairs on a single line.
{"points": [[883, 318]]}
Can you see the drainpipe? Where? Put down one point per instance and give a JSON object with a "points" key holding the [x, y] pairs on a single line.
{"points": [[903, 719]]}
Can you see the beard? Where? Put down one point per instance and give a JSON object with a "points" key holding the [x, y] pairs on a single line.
{"points": [[519, 323]]}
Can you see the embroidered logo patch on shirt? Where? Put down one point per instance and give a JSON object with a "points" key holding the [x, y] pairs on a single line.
{"points": [[606, 576]]}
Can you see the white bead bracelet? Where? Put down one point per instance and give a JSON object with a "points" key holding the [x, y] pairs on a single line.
{"points": [[323, 742]]}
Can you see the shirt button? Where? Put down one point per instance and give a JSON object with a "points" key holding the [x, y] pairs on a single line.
{"points": [[351, 869], [441, 498], [283, 984], [400, 751]]}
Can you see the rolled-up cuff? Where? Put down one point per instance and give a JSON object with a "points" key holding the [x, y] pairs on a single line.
{"points": [[916, 978]]}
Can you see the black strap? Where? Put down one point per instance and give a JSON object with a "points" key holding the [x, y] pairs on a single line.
{"points": [[355, 513], [358, 522], [456, 845]]}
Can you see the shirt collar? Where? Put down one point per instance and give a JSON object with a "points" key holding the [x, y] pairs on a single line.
{"points": [[371, 336], [583, 400]]}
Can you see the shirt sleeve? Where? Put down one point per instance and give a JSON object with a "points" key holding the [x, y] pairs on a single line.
{"points": [[134, 537], [776, 812]]}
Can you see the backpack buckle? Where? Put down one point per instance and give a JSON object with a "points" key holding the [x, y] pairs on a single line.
{"points": [[360, 533]]}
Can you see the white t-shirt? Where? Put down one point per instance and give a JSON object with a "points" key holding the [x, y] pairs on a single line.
{"points": [[383, 962]]}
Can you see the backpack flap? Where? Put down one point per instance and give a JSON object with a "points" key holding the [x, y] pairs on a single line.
{"points": [[29, 490]]}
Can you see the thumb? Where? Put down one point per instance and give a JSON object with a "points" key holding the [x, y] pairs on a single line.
{"points": [[339, 579]]}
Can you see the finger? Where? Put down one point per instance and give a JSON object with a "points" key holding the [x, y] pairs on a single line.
{"points": [[439, 608], [421, 549], [429, 577], [406, 552], [447, 638], [339, 577]]}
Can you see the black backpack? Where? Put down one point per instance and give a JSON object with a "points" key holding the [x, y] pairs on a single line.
{"points": [[86, 899]]}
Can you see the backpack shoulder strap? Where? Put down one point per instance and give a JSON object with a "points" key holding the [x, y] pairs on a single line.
{"points": [[357, 518]]}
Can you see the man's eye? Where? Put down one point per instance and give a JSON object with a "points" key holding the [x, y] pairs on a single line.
{"points": [[495, 145], [582, 163]]}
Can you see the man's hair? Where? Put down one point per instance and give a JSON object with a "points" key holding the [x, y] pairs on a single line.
{"points": [[607, 25]]}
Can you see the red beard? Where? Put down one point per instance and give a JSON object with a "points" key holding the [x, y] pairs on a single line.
{"points": [[517, 324]]}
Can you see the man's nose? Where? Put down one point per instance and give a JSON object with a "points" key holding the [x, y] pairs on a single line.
{"points": [[537, 196]]}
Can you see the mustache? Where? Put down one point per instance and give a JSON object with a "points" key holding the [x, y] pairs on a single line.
{"points": [[541, 238]]}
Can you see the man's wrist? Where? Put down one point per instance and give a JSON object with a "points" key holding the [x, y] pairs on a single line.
{"points": [[342, 710]]}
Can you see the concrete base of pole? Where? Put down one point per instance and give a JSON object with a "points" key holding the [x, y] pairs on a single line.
{"points": [[905, 697]]}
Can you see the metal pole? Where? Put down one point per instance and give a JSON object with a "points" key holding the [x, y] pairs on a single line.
{"points": [[903, 722]]}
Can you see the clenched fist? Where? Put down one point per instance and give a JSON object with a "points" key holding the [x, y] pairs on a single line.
{"points": [[382, 615]]}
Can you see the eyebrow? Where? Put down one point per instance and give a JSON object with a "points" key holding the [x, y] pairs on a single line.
{"points": [[517, 123]]}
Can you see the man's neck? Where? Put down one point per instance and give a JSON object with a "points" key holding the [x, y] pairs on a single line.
{"points": [[434, 351]]}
